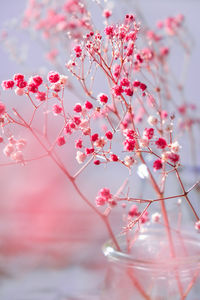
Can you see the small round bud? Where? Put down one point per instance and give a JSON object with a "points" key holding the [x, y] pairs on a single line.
{"points": [[155, 218], [152, 120], [114, 157], [19, 91], [61, 141], [109, 135]]}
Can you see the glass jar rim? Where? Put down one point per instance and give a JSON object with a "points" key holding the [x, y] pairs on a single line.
{"points": [[122, 258]]}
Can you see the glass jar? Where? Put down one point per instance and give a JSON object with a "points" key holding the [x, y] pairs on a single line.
{"points": [[149, 271]]}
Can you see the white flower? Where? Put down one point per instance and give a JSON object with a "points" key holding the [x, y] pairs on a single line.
{"points": [[17, 156], [144, 142], [19, 92], [155, 218], [175, 147], [142, 171], [152, 120], [63, 79], [8, 150], [129, 160], [80, 157], [100, 143]]}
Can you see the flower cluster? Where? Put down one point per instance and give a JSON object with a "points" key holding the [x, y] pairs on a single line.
{"points": [[14, 149], [124, 124]]}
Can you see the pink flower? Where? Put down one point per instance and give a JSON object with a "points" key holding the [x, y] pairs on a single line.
{"points": [[68, 129], [78, 108], [161, 143], [107, 13], [136, 83], [57, 109], [143, 86], [157, 165], [114, 157], [173, 157], [56, 87], [61, 141], [130, 48], [133, 212], [129, 145], [164, 114], [124, 82], [78, 50], [148, 133], [129, 133], [100, 201], [116, 70], [77, 121], [94, 137], [21, 84], [72, 124], [100, 143], [37, 80], [53, 76], [182, 109], [102, 98], [7, 84], [109, 30], [145, 217], [117, 90], [18, 77], [164, 51], [89, 150], [139, 58], [41, 96], [79, 144], [88, 105], [32, 88], [128, 92], [2, 108], [109, 135], [105, 192]]}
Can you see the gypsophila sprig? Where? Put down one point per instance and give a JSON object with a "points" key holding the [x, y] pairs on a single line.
{"points": [[121, 123]]}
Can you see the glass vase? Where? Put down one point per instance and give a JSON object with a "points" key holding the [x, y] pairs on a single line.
{"points": [[149, 271]]}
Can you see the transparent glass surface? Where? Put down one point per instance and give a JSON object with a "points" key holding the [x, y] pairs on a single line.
{"points": [[150, 272]]}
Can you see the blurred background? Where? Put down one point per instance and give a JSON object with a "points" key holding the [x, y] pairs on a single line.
{"points": [[50, 242]]}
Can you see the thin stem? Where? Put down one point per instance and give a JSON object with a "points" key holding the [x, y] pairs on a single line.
{"points": [[83, 168], [186, 195], [72, 180], [24, 161]]}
